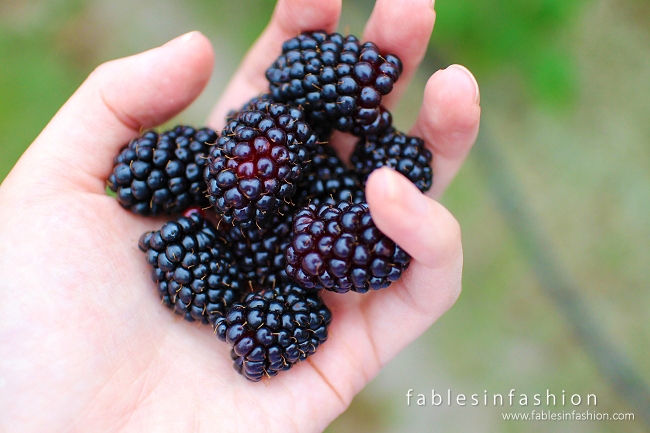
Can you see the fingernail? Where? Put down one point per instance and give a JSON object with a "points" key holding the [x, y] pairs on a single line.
{"points": [[470, 80], [402, 193], [183, 38], [433, 4]]}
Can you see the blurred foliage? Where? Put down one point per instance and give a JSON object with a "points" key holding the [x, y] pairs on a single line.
{"points": [[240, 22], [35, 78], [528, 36]]}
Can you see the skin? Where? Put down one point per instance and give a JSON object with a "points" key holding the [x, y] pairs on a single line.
{"points": [[85, 344]]}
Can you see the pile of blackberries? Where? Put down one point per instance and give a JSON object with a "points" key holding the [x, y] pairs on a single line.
{"points": [[271, 214]]}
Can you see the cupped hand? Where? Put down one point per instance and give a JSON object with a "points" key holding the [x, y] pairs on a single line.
{"points": [[85, 344]]}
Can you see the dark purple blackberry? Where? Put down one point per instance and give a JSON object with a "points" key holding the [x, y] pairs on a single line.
{"points": [[258, 163], [261, 252], [194, 269], [338, 80], [162, 173], [273, 329], [396, 150], [339, 248], [329, 181]]}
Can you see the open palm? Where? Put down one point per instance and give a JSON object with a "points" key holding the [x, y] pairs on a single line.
{"points": [[84, 342]]}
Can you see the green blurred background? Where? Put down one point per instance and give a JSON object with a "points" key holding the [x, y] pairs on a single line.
{"points": [[554, 201]]}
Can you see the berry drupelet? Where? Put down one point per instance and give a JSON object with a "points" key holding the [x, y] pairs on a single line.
{"points": [[408, 155], [339, 248], [162, 173], [329, 181], [258, 162], [194, 269], [273, 329], [338, 80]]}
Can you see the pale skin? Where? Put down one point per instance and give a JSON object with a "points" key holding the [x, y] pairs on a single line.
{"points": [[85, 344]]}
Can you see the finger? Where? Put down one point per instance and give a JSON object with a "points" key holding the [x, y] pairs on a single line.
{"points": [[402, 28], [289, 18], [448, 122], [116, 101], [366, 334]]}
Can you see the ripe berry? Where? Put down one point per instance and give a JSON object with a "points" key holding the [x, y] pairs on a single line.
{"points": [[273, 329], [258, 163], [193, 268], [396, 150], [338, 80], [339, 248], [162, 173]]}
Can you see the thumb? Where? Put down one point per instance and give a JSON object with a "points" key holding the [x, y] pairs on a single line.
{"points": [[370, 330]]}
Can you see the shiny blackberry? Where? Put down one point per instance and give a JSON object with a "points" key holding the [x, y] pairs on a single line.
{"points": [[258, 163], [338, 80], [195, 272], [162, 173], [273, 329], [329, 181], [396, 150], [261, 252], [339, 248]]}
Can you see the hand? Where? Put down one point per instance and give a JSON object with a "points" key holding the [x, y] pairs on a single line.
{"points": [[84, 342]]}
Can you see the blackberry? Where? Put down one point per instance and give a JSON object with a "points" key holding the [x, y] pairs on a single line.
{"points": [[338, 80], [396, 150], [162, 173], [193, 268], [329, 181], [258, 162], [339, 248], [273, 329], [261, 252]]}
